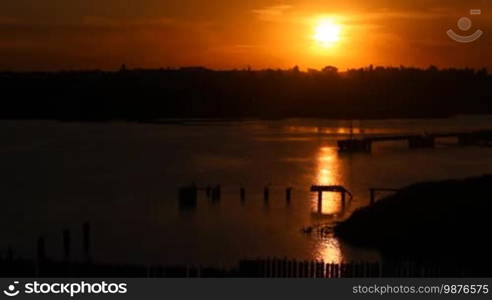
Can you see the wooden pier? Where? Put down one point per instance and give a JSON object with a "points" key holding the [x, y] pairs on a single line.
{"points": [[320, 189], [483, 137]]}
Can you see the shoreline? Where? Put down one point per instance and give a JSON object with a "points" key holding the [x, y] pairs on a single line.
{"points": [[428, 220]]}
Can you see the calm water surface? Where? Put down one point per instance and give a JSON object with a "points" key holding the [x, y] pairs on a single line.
{"points": [[124, 177]]}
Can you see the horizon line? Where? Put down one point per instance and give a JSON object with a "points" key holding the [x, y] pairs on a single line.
{"points": [[123, 67]]}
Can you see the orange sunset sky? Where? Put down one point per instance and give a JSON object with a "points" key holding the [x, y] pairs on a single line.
{"points": [[226, 34]]}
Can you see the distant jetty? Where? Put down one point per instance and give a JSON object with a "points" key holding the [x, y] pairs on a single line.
{"points": [[445, 220]]}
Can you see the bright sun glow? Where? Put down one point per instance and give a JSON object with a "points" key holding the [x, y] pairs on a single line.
{"points": [[326, 32]]}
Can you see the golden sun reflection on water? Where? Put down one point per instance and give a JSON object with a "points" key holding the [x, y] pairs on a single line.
{"points": [[328, 173], [329, 251]]}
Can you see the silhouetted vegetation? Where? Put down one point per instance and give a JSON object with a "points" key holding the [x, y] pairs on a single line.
{"points": [[447, 221], [199, 92]]}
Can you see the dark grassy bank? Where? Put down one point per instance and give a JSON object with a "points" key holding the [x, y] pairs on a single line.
{"points": [[441, 221]]}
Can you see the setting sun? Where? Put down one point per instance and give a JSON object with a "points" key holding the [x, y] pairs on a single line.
{"points": [[326, 32]]}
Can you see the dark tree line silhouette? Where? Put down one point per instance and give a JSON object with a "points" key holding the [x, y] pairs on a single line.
{"points": [[196, 92]]}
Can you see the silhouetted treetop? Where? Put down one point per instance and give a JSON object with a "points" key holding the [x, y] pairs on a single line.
{"points": [[139, 94]]}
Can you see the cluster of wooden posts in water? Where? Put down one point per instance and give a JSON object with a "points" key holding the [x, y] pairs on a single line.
{"points": [[43, 263], [482, 137], [188, 195], [66, 244]]}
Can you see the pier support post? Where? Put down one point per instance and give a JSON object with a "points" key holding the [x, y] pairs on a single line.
{"points": [[320, 201], [266, 194], [242, 193], [288, 195]]}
